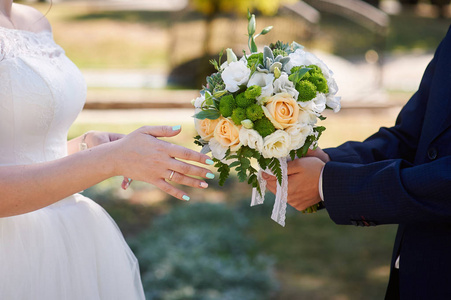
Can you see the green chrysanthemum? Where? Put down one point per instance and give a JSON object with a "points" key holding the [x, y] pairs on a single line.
{"points": [[255, 60], [238, 115], [320, 82], [306, 89], [264, 127], [226, 105], [253, 92], [315, 69], [242, 101], [254, 112]]}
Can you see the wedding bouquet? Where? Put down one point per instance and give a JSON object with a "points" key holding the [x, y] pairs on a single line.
{"points": [[264, 107]]}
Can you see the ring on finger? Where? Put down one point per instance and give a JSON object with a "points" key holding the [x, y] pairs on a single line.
{"points": [[170, 176]]}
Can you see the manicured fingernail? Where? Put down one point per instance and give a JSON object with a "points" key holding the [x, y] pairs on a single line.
{"points": [[177, 127], [210, 175], [185, 197], [209, 162], [203, 185]]}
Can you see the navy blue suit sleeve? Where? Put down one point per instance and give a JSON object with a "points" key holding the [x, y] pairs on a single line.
{"points": [[388, 192]]}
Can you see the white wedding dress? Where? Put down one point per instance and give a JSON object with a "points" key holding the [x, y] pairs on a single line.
{"points": [[72, 249]]}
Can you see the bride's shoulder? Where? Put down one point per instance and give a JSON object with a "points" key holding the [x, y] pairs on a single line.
{"points": [[31, 19]]}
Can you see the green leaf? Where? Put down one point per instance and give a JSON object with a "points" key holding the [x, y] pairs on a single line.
{"points": [[263, 162], [274, 166], [209, 100], [253, 46], [301, 152], [223, 170], [211, 114], [234, 164], [293, 154], [297, 76], [322, 118]]}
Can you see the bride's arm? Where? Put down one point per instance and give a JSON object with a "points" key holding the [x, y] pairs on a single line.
{"points": [[139, 155]]}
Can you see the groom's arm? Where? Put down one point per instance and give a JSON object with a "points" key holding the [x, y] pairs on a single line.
{"points": [[388, 192]]}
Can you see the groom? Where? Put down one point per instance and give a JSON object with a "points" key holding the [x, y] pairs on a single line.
{"points": [[400, 175]]}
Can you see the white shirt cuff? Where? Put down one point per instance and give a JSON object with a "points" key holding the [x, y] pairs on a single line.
{"points": [[320, 185]]}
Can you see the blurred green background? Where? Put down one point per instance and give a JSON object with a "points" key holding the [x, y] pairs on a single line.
{"points": [[216, 246]]}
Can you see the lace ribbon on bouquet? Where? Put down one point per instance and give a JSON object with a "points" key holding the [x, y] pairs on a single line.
{"points": [[280, 204]]}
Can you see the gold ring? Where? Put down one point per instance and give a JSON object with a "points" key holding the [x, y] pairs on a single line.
{"points": [[172, 175]]}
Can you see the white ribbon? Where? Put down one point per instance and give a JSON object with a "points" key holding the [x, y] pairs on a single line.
{"points": [[280, 204]]}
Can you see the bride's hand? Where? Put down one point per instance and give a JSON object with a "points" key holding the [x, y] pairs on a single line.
{"points": [[142, 156]]}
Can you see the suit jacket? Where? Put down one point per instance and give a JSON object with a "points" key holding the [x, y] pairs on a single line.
{"points": [[402, 175]]}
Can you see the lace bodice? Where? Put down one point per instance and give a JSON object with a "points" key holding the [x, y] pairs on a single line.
{"points": [[41, 94]]}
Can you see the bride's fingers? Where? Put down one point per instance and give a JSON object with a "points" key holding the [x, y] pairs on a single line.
{"points": [[189, 169], [187, 154], [171, 190], [186, 180], [126, 183]]}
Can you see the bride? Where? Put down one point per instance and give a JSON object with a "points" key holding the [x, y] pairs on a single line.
{"points": [[56, 244]]}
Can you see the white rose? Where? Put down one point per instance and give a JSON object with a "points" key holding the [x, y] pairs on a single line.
{"points": [[319, 103], [299, 133], [235, 74], [334, 103], [251, 138], [297, 58], [265, 81], [283, 85], [307, 115], [197, 103], [276, 145], [217, 150]]}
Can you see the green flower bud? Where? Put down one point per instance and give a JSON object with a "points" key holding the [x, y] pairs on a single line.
{"points": [[226, 105], [277, 72], [266, 30], [238, 115], [251, 25], [231, 57], [247, 124]]}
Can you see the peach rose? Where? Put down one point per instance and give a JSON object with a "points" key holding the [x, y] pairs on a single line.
{"points": [[206, 128], [228, 134], [282, 110]]}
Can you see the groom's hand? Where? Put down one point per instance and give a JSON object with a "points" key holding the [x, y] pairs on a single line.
{"points": [[318, 152], [303, 180]]}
